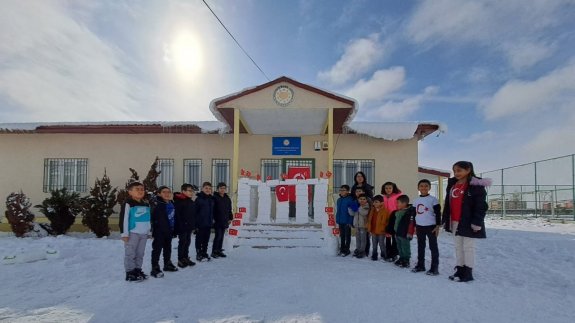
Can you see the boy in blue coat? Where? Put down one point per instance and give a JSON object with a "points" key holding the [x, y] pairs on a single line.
{"points": [[163, 224], [343, 219]]}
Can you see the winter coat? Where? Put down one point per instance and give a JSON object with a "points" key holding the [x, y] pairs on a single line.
{"points": [[134, 217], [222, 211], [473, 208], [367, 189], [160, 221], [382, 219], [405, 226], [341, 213], [185, 213], [360, 216], [390, 202], [204, 211]]}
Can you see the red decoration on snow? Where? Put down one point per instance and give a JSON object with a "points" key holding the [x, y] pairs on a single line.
{"points": [[328, 174], [233, 232], [321, 174], [329, 209], [243, 172], [268, 178], [331, 223], [236, 223], [330, 216], [259, 177], [242, 209], [335, 231], [238, 216], [282, 193], [248, 173]]}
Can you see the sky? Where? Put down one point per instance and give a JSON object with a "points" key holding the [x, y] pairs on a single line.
{"points": [[499, 74]]}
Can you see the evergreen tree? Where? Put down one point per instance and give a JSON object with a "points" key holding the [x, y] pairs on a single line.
{"points": [[98, 206], [123, 193], [18, 213], [150, 180], [61, 209]]}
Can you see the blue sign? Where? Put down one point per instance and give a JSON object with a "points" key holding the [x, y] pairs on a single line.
{"points": [[286, 146]]}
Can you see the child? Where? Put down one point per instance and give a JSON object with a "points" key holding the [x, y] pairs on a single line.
{"points": [[135, 230], [222, 217], [163, 223], [464, 213], [360, 221], [185, 222], [376, 222], [428, 223], [390, 193], [401, 224], [204, 220], [356, 192], [343, 219]]}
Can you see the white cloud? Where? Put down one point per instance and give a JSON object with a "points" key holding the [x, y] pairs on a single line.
{"points": [[511, 27], [57, 69], [400, 110], [517, 97], [381, 84], [359, 56], [479, 137]]}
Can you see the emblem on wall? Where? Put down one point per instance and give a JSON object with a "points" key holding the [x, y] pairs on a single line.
{"points": [[283, 95]]}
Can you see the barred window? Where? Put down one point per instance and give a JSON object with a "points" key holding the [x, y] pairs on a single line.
{"points": [[271, 168], [166, 178], [70, 173], [344, 170], [193, 172], [221, 171]]}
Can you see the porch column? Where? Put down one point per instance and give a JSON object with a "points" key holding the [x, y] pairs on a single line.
{"points": [[440, 189], [235, 160], [330, 155]]}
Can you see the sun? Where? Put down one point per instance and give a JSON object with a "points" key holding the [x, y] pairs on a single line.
{"points": [[184, 54]]}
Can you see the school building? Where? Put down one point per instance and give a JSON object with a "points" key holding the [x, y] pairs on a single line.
{"points": [[261, 131]]}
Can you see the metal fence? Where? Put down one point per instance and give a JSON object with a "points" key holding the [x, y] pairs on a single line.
{"points": [[543, 188]]}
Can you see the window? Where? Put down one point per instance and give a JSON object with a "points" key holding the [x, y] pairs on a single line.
{"points": [[70, 173], [344, 170], [193, 172], [271, 168], [221, 171], [166, 169]]}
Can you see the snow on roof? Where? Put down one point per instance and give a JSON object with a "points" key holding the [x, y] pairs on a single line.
{"points": [[205, 126], [390, 130]]}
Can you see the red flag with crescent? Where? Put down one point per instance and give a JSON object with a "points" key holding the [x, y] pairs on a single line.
{"points": [[282, 193]]}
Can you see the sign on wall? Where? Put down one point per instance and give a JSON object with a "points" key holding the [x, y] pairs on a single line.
{"points": [[286, 146]]}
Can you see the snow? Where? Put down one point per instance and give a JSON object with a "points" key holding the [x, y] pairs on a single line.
{"points": [[524, 273], [390, 130], [206, 126]]}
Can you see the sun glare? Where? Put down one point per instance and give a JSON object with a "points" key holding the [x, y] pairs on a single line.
{"points": [[184, 55]]}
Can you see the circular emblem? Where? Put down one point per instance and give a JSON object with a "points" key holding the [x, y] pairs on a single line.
{"points": [[283, 95], [286, 142]]}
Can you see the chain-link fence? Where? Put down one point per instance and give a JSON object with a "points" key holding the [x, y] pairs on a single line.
{"points": [[542, 188]]}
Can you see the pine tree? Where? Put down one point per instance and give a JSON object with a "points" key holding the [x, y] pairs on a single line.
{"points": [[61, 209], [123, 193], [150, 180], [98, 206], [18, 213]]}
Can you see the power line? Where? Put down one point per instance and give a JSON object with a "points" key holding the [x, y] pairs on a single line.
{"points": [[234, 38]]}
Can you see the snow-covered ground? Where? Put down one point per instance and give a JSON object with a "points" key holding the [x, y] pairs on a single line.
{"points": [[525, 273]]}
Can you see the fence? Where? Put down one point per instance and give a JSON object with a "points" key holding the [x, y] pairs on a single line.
{"points": [[542, 188]]}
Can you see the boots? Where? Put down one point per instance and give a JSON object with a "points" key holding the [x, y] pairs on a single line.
{"points": [[189, 262], [457, 274], [182, 263], [468, 274], [156, 272], [169, 266]]}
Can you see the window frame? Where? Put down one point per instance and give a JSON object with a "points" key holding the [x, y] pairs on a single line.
{"points": [[69, 173]]}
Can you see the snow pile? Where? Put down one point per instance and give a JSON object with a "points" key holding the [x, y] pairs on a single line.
{"points": [[389, 130]]}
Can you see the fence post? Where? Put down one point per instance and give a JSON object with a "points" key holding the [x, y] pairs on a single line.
{"points": [[536, 192], [503, 207]]}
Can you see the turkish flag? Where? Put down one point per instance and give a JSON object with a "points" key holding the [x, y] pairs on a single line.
{"points": [[236, 223], [331, 223], [298, 173], [233, 232], [282, 193], [330, 217], [242, 210], [238, 216], [335, 231], [329, 209]]}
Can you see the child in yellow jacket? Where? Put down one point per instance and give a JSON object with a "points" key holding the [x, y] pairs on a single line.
{"points": [[377, 221]]}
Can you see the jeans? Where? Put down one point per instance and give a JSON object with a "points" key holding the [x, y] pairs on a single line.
{"points": [[423, 233], [218, 240], [345, 237]]}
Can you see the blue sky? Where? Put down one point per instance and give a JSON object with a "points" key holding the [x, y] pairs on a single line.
{"points": [[499, 74]]}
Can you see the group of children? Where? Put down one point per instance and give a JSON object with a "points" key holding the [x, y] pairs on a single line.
{"points": [[391, 221], [165, 216]]}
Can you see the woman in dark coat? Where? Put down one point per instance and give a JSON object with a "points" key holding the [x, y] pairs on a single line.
{"points": [[360, 181]]}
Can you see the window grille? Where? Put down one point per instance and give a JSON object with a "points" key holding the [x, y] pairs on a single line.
{"points": [[70, 173]]}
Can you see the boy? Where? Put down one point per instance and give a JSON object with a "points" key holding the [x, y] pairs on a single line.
{"points": [[344, 220], [401, 224], [185, 222], [360, 221], [376, 222], [222, 217], [428, 222], [163, 223], [134, 231], [355, 205], [204, 220]]}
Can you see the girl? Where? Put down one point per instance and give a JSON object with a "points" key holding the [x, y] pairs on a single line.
{"points": [[390, 193], [464, 213], [360, 182]]}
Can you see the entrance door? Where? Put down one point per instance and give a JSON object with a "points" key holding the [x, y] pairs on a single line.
{"points": [[294, 164]]}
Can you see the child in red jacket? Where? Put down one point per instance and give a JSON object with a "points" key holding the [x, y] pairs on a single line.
{"points": [[402, 225]]}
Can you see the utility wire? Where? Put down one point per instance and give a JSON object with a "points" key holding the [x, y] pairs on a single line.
{"points": [[234, 38]]}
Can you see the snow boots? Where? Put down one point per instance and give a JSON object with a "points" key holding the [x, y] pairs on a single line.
{"points": [[203, 256], [169, 266], [133, 276], [418, 268], [156, 272], [185, 262], [462, 274]]}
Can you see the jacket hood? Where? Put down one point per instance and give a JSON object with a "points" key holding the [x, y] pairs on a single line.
{"points": [[486, 182], [180, 196]]}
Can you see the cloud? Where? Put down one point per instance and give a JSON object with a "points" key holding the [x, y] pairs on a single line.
{"points": [[487, 23], [517, 97], [381, 84], [479, 137], [359, 56], [400, 110], [57, 69]]}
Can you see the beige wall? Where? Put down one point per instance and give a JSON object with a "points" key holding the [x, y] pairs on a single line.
{"points": [[22, 156]]}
